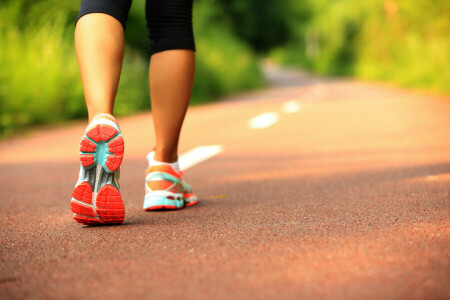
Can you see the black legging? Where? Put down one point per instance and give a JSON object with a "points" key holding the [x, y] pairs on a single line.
{"points": [[169, 22]]}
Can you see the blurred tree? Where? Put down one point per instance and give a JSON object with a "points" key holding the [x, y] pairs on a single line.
{"points": [[136, 32], [265, 24]]}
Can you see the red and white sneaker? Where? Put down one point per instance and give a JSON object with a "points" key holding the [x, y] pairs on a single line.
{"points": [[166, 189], [96, 199]]}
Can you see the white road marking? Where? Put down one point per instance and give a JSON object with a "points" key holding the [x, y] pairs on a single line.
{"points": [[291, 106], [263, 120], [197, 155]]}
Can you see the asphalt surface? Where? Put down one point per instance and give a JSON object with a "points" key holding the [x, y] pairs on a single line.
{"points": [[346, 198]]}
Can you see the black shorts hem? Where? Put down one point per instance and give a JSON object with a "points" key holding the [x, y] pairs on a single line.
{"points": [[172, 46], [102, 11]]}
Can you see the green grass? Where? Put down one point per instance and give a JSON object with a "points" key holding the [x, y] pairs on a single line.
{"points": [[39, 77], [39, 81], [225, 64], [401, 41]]}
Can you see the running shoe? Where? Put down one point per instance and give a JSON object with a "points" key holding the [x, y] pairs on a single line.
{"points": [[96, 199], [166, 189]]}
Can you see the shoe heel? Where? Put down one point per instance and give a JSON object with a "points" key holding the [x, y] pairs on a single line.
{"points": [[104, 145]]}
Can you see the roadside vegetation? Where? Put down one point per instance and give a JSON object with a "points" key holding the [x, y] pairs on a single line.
{"points": [[400, 41], [39, 77]]}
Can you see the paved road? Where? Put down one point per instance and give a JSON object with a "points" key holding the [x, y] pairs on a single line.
{"points": [[344, 195]]}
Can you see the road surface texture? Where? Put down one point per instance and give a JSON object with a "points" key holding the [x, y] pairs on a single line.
{"points": [[338, 190]]}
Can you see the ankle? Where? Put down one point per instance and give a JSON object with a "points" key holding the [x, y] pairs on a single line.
{"points": [[105, 116], [162, 155], [94, 113], [154, 162]]}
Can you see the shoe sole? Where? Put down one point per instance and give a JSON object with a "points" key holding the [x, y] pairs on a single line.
{"points": [[96, 200], [191, 203], [192, 200], [156, 202]]}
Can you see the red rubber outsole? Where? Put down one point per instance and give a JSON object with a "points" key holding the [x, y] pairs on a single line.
{"points": [[163, 207], [116, 147], [102, 133], [191, 203], [109, 208]]}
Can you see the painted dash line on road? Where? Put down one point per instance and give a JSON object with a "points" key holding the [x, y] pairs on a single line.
{"points": [[263, 120], [198, 155], [291, 106]]}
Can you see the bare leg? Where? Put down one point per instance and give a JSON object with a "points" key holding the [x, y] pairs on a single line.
{"points": [[171, 78], [100, 45]]}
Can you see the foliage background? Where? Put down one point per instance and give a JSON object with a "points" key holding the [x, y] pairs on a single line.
{"points": [[402, 41], [39, 77]]}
